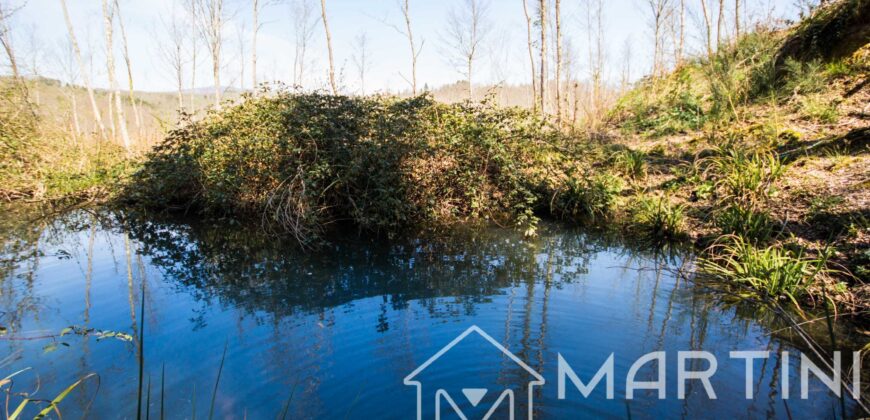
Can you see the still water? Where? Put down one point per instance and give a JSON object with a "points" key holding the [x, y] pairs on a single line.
{"points": [[333, 333]]}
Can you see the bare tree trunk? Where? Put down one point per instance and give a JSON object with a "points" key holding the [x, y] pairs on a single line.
{"points": [[736, 19], [173, 53], [720, 24], [137, 117], [466, 31], [255, 29], [329, 48], [681, 43], [597, 60], [661, 10], [626, 70], [709, 28], [242, 54], [415, 52], [543, 75], [5, 40], [108, 23], [98, 119], [470, 85], [558, 62], [75, 114], [361, 60], [111, 114], [531, 55], [657, 35], [211, 28], [192, 9], [179, 77]]}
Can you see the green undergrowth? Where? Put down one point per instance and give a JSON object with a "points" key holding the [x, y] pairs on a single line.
{"points": [[42, 162], [710, 91], [304, 162]]}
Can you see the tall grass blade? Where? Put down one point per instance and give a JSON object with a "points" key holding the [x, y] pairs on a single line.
{"points": [[162, 388], [141, 349], [53, 406], [289, 399], [148, 400], [217, 382]]}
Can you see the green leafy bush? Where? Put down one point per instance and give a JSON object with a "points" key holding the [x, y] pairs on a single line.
{"points": [[303, 162]]}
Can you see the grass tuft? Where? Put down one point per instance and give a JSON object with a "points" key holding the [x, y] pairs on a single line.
{"points": [[772, 272], [659, 218]]}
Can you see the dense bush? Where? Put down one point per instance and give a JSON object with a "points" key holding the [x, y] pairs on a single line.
{"points": [[305, 161]]}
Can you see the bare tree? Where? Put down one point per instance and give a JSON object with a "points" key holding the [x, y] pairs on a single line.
{"points": [[241, 43], [172, 51], [660, 9], [530, 44], [362, 59], [328, 47], [193, 14], [626, 65], [466, 30], [595, 34], [108, 29], [681, 39], [720, 21], [258, 6], [542, 15], [408, 33], [66, 62], [558, 12], [708, 26], [255, 29], [304, 23], [736, 19], [98, 119], [125, 50], [6, 13], [211, 23]]}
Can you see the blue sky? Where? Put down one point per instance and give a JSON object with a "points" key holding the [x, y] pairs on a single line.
{"points": [[40, 33]]}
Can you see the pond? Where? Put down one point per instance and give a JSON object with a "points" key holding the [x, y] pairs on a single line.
{"points": [[337, 332]]}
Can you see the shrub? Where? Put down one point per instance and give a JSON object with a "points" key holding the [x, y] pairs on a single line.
{"points": [[303, 162]]}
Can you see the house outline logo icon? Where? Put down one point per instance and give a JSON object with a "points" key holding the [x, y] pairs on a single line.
{"points": [[474, 395]]}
